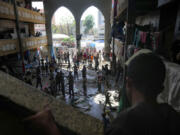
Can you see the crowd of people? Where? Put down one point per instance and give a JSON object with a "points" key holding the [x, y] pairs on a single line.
{"points": [[53, 69], [61, 83], [144, 82], [88, 58]]}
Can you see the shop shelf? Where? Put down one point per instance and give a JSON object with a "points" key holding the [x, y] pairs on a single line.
{"points": [[25, 15]]}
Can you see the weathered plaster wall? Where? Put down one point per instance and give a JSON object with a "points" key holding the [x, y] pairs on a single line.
{"points": [[33, 99]]}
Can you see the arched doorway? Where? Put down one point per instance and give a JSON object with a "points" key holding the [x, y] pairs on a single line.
{"points": [[93, 29], [63, 32]]}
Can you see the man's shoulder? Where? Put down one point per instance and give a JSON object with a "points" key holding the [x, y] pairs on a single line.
{"points": [[144, 117], [146, 111]]}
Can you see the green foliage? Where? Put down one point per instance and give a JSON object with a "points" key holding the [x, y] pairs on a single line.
{"points": [[88, 23], [67, 26], [55, 29], [71, 40]]}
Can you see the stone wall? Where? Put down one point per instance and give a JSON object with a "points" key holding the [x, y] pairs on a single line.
{"points": [[33, 99]]}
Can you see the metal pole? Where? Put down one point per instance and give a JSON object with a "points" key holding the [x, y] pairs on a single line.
{"points": [[113, 57], [131, 16], [129, 33], [113, 54], [18, 35]]}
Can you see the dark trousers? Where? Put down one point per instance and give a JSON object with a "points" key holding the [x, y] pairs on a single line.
{"points": [[76, 75], [99, 86], [38, 82], [84, 88], [108, 102], [62, 89], [71, 91], [58, 87], [53, 90], [96, 67]]}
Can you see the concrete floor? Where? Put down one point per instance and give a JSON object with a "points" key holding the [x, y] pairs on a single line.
{"points": [[93, 104]]}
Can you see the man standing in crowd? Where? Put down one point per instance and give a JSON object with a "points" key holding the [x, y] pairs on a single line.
{"points": [[58, 86], [38, 77], [62, 83], [84, 80], [53, 87], [107, 100], [84, 72], [69, 64], [71, 84], [47, 68], [99, 81], [75, 72], [106, 76], [96, 63], [84, 87], [68, 57]]}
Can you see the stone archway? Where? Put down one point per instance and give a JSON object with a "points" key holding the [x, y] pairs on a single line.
{"points": [[77, 8], [62, 22], [98, 30]]}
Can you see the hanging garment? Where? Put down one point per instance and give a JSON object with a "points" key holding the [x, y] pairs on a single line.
{"points": [[115, 7], [117, 30], [53, 53], [153, 42], [137, 38], [148, 44], [143, 37]]}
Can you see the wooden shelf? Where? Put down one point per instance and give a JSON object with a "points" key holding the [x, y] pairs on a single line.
{"points": [[34, 42], [10, 46], [6, 11], [25, 15]]}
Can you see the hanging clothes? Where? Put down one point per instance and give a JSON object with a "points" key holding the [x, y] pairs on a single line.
{"points": [[153, 42], [117, 31], [143, 37], [137, 38], [148, 44], [115, 7], [52, 53]]}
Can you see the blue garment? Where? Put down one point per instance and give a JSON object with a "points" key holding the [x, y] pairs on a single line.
{"points": [[137, 38], [52, 53]]}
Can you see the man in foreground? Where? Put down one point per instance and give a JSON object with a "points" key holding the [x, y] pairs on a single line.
{"points": [[144, 82]]}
